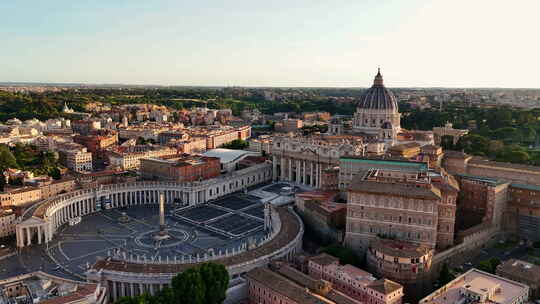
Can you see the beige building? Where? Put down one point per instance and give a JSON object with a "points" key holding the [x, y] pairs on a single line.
{"points": [[476, 286], [75, 157], [461, 163], [289, 125], [523, 272], [417, 207], [20, 196], [448, 130], [130, 157], [55, 187], [8, 220], [262, 144], [192, 145], [39, 287]]}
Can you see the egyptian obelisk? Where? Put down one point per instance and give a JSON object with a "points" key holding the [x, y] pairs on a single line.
{"points": [[162, 234]]}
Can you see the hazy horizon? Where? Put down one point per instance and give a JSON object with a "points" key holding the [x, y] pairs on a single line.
{"points": [[418, 43]]}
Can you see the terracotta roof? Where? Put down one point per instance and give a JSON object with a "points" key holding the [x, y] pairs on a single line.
{"points": [[394, 189], [406, 146], [526, 272], [324, 259], [385, 286], [21, 190], [83, 291], [340, 298], [485, 162], [282, 285], [299, 277], [399, 248]]}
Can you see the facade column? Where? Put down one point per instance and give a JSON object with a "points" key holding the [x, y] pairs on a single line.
{"points": [[39, 234], [28, 236], [132, 289], [304, 172], [311, 174], [19, 236], [297, 173], [290, 169], [317, 165], [282, 166]]}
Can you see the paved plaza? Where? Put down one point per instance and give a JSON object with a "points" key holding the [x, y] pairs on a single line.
{"points": [[208, 228]]}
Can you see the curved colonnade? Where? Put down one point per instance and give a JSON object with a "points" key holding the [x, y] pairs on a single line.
{"points": [[125, 277], [54, 212]]}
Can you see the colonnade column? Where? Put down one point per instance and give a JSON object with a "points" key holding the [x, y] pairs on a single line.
{"points": [[115, 295], [28, 237], [317, 165], [39, 234], [274, 167]]}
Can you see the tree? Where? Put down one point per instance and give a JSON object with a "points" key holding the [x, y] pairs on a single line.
{"points": [[189, 287], [446, 276], [2, 181], [513, 154], [55, 173], [165, 296], [7, 160], [216, 280], [489, 265], [473, 144], [127, 300], [18, 181], [494, 147], [237, 144]]}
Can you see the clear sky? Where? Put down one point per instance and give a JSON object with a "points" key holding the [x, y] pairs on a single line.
{"points": [[452, 43]]}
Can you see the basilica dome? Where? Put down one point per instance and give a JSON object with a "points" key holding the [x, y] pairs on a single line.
{"points": [[378, 97]]}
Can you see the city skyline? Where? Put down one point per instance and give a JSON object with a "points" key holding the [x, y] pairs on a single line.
{"points": [[417, 44]]}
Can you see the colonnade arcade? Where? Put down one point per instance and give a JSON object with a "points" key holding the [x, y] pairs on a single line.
{"points": [[42, 223], [41, 227]]}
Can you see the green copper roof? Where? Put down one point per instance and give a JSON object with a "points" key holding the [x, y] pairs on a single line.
{"points": [[416, 165], [526, 186]]}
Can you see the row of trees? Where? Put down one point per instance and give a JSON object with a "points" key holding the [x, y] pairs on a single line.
{"points": [[237, 144], [494, 149], [503, 134], [203, 284], [27, 157]]}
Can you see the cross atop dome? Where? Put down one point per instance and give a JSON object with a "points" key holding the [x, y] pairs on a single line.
{"points": [[378, 78]]}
